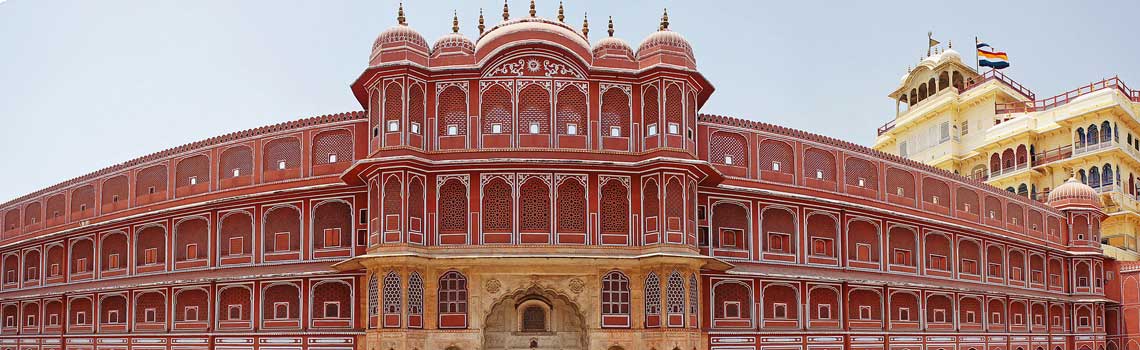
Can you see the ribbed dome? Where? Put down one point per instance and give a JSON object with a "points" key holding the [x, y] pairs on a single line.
{"points": [[453, 42], [536, 25], [1073, 192], [665, 40], [399, 34], [950, 54], [612, 47]]}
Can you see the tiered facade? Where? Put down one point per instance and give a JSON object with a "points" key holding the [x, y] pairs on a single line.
{"points": [[529, 191]]}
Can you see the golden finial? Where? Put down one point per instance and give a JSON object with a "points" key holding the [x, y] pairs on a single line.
{"points": [[611, 30], [400, 16], [586, 25], [506, 11], [561, 16], [455, 22], [532, 8], [664, 20], [950, 44], [481, 26]]}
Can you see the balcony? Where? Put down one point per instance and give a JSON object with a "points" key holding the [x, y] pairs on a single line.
{"points": [[1069, 96], [1071, 151], [1009, 170]]}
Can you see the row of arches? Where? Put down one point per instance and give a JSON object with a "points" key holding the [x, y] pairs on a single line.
{"points": [[326, 152], [745, 303], [1093, 135], [319, 303], [238, 238], [796, 235], [937, 82]]}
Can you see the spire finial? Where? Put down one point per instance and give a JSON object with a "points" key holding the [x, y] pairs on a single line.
{"points": [[664, 20], [506, 11], [455, 22], [481, 26], [950, 44], [400, 16], [532, 8], [611, 30], [561, 15], [586, 25]]}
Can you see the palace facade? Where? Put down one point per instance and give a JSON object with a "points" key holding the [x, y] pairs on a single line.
{"points": [[531, 190]]}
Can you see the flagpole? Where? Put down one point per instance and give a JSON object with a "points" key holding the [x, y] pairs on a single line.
{"points": [[977, 64]]}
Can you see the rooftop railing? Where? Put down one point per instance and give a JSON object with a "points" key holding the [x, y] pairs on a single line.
{"points": [[1069, 96]]}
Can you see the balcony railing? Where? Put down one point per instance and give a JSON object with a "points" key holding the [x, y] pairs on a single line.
{"points": [[1070, 151], [1053, 155], [1008, 170], [1004, 79], [1045, 104]]}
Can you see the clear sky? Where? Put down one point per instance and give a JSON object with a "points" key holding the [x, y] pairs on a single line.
{"points": [[87, 84]]}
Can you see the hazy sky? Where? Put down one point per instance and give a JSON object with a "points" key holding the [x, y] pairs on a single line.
{"points": [[87, 84]]}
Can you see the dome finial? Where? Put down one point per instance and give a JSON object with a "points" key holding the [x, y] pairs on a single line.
{"points": [[532, 8], [664, 20], [561, 15], [400, 16], [506, 11], [611, 30], [950, 44], [586, 24], [481, 26], [455, 22]]}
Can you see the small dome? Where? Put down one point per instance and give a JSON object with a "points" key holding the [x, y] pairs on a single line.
{"points": [[453, 43], [950, 54], [1073, 193], [663, 40], [401, 34], [611, 47]]}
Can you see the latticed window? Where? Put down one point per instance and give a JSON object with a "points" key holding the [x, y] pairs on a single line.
{"points": [[728, 149], [651, 109], [331, 300], [115, 190], [615, 208], [393, 104], [453, 110], [674, 204], [282, 230], [652, 295], [819, 164], [534, 206], [236, 161], [693, 304], [236, 234], [190, 239], [497, 206], [732, 300], [332, 225], [496, 110], [615, 294], [935, 192], [416, 204], [674, 109], [150, 180], [534, 110], [392, 197], [615, 113], [675, 294], [571, 111], [900, 183], [730, 224], [56, 206], [150, 308], [861, 173], [571, 207], [283, 153], [392, 294], [150, 246], [32, 214], [416, 109], [333, 146], [534, 319], [83, 198], [452, 293], [776, 156], [192, 171], [373, 296], [453, 207], [968, 200], [415, 294], [650, 202]]}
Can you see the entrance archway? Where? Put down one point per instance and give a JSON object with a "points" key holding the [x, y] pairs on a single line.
{"points": [[534, 318]]}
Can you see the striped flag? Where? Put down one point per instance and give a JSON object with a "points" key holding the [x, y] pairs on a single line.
{"points": [[988, 57]]}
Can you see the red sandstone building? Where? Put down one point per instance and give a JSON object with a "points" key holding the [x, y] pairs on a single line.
{"points": [[529, 190]]}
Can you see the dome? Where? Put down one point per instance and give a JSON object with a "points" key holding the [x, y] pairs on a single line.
{"points": [[531, 27], [453, 43], [1073, 192], [610, 47], [400, 34], [665, 39], [950, 54]]}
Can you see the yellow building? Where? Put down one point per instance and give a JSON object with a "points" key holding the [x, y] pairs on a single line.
{"points": [[990, 128]]}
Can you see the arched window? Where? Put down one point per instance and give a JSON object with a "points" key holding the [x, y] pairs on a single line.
{"points": [[1106, 174], [533, 319], [615, 295], [1105, 131], [675, 294], [1091, 135], [1094, 177], [415, 300], [392, 295], [615, 113], [453, 211], [452, 106], [373, 299], [693, 305], [452, 293], [652, 300], [614, 212], [651, 111]]}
